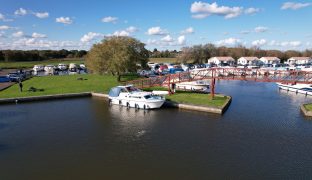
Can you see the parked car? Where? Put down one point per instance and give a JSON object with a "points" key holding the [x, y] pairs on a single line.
{"points": [[145, 73], [4, 79], [175, 70], [15, 77]]}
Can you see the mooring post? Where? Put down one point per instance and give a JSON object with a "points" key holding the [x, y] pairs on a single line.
{"points": [[169, 85], [212, 85]]}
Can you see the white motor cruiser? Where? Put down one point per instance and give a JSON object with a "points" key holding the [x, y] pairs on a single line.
{"points": [[130, 96], [199, 85], [298, 88]]}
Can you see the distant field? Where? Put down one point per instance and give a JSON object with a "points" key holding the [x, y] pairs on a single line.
{"points": [[163, 60], [30, 64]]}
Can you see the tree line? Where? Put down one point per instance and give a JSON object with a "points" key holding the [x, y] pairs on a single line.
{"points": [[39, 55], [201, 53]]}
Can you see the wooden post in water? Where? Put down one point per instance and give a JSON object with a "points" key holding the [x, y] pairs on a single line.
{"points": [[169, 85], [212, 85]]}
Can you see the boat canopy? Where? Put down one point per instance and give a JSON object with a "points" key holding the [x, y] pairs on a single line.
{"points": [[115, 91]]}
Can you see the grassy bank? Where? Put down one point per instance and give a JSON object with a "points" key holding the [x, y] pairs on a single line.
{"points": [[49, 85], [62, 84], [198, 99], [193, 98], [30, 64], [308, 107]]}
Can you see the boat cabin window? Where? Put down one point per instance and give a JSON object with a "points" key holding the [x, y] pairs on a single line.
{"points": [[152, 97], [123, 90]]}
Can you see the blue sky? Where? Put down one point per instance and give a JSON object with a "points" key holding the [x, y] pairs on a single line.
{"points": [[35, 24]]}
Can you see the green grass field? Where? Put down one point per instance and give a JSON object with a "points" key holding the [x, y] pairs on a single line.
{"points": [[198, 99], [193, 98], [308, 107], [62, 84], [30, 64]]}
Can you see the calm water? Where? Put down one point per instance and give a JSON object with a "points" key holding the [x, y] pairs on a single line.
{"points": [[263, 135]]}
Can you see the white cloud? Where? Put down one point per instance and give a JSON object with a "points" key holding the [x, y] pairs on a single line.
{"points": [[228, 42], [167, 38], [18, 34], [260, 42], [244, 32], [200, 16], [2, 34], [261, 29], [132, 29], [38, 35], [32, 43], [189, 30], [181, 40], [156, 31], [110, 19], [64, 20], [295, 43], [21, 12], [90, 37], [202, 10], [4, 27], [42, 15], [286, 43], [252, 10], [294, 6], [4, 19], [167, 41], [121, 33]]}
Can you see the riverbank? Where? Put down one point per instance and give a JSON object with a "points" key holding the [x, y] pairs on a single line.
{"points": [[168, 103], [56, 87]]}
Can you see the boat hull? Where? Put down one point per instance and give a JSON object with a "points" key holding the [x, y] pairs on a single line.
{"points": [[303, 89], [193, 86], [139, 104]]}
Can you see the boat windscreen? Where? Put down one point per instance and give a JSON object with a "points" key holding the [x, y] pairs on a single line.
{"points": [[114, 92]]}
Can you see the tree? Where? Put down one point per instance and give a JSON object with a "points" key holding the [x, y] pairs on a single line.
{"points": [[117, 55]]}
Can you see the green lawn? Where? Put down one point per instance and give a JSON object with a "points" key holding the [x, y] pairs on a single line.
{"points": [[30, 64], [62, 84], [308, 107], [198, 99], [193, 98]]}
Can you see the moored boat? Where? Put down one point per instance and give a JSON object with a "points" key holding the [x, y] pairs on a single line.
{"points": [[199, 85], [130, 96], [298, 88]]}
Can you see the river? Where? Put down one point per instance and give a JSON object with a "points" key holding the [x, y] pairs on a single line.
{"points": [[263, 135]]}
